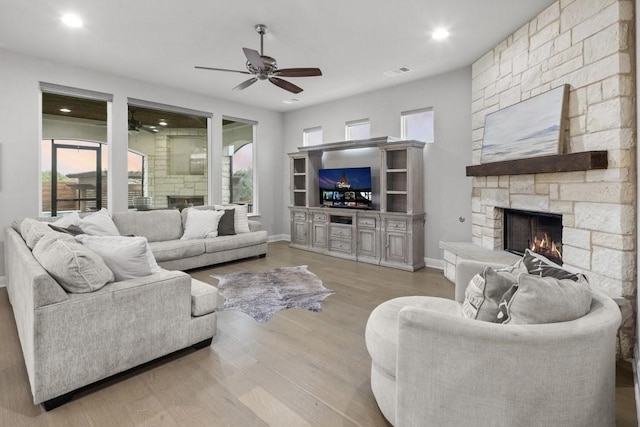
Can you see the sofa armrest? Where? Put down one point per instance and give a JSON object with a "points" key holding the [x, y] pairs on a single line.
{"points": [[465, 270], [501, 369], [95, 335]]}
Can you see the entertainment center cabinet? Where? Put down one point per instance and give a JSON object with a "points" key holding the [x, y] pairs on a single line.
{"points": [[392, 236]]}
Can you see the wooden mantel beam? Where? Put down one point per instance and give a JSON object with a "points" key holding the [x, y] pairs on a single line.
{"points": [[586, 160]]}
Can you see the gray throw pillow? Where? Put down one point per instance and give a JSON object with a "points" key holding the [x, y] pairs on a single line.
{"points": [[536, 300], [485, 291], [73, 230], [76, 268], [226, 225], [539, 265]]}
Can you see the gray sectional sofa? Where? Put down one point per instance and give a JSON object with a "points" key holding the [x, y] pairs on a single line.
{"points": [[163, 229], [71, 340]]}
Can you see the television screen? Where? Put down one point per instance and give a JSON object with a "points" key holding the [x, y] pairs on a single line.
{"points": [[353, 179], [345, 187]]}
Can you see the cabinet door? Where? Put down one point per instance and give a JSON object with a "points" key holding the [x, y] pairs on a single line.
{"points": [[396, 247], [300, 232], [319, 235], [367, 243]]}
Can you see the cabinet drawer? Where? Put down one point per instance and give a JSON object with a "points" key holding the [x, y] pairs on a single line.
{"points": [[319, 217], [340, 245], [367, 222], [341, 232], [300, 216], [396, 224]]}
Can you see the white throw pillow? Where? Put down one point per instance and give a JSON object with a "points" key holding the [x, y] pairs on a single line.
{"points": [[99, 224], [68, 220], [75, 267], [201, 224], [241, 219], [32, 231], [127, 257]]}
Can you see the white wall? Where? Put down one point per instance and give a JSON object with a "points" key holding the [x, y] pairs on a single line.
{"points": [[447, 189], [20, 116]]}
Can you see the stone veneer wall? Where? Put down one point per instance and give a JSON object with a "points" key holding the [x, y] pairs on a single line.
{"points": [[589, 45], [158, 180]]}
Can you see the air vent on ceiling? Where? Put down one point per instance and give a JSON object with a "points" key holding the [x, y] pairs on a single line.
{"points": [[397, 71]]}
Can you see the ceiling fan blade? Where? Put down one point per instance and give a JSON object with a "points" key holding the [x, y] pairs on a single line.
{"points": [[221, 69], [285, 85], [246, 83], [298, 72], [254, 58]]}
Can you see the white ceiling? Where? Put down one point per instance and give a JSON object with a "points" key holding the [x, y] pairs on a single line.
{"points": [[352, 41]]}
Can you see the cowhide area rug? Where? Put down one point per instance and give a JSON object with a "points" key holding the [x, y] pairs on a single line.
{"points": [[261, 295]]}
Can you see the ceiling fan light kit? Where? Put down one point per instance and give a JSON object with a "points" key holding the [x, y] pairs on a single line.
{"points": [[264, 67]]}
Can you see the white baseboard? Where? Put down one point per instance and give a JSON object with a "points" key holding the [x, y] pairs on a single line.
{"points": [[279, 237], [2, 282], [434, 263]]}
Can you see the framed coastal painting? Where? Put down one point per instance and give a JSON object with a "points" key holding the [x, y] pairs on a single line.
{"points": [[531, 128]]}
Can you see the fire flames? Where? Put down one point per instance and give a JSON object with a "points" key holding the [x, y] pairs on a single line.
{"points": [[546, 247]]}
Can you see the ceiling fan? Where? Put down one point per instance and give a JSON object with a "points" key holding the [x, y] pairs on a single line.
{"points": [[264, 67], [136, 125]]}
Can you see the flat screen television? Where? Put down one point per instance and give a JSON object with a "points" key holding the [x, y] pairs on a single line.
{"points": [[345, 188]]}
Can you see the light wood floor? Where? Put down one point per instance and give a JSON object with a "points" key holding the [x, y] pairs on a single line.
{"points": [[298, 369]]}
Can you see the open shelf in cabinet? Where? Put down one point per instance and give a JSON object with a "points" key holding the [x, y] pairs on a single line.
{"points": [[299, 166], [396, 180], [397, 159]]}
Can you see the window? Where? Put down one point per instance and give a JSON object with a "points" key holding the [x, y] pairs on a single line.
{"points": [[418, 125], [358, 129], [167, 160], [238, 158], [312, 136], [74, 150]]}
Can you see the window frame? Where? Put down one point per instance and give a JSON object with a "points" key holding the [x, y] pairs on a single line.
{"points": [[350, 124], [307, 131], [403, 123], [255, 208]]}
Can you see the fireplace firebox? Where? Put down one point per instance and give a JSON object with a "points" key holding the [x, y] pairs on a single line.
{"points": [[539, 232]]}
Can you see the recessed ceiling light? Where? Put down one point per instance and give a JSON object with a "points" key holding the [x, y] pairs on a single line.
{"points": [[162, 122], [152, 127], [72, 20], [65, 110], [440, 34], [290, 101]]}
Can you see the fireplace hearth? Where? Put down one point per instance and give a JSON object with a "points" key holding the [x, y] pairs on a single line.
{"points": [[539, 232]]}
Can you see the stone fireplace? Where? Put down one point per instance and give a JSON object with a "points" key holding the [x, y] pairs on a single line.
{"points": [[588, 46]]}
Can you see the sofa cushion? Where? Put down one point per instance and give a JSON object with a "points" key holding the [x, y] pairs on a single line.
{"points": [[99, 224], [201, 224], [76, 268], [127, 257], [382, 327], [485, 291], [145, 224], [176, 249], [225, 243], [204, 298], [536, 300]]}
